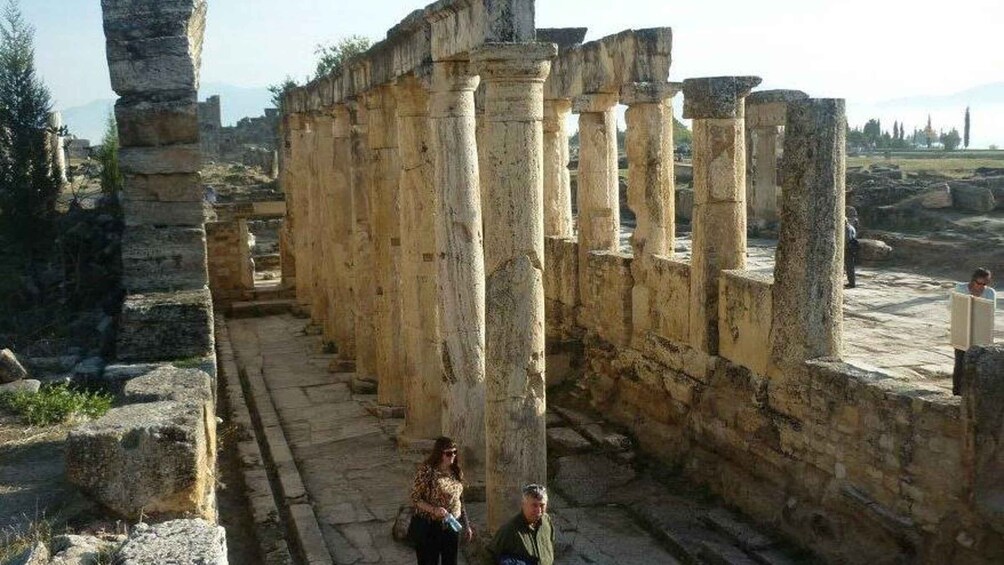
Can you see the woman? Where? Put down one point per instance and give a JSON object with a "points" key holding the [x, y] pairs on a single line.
{"points": [[435, 495]]}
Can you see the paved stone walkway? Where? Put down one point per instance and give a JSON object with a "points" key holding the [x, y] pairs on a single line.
{"points": [[356, 478]]}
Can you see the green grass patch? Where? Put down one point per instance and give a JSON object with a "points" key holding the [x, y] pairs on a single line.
{"points": [[55, 404], [189, 363], [14, 542]]}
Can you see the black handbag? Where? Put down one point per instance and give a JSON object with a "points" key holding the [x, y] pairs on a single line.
{"points": [[418, 529]]}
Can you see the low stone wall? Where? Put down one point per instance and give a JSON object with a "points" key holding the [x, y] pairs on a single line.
{"points": [[231, 272]]}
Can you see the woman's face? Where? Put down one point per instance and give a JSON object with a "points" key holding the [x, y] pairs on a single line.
{"points": [[449, 455]]}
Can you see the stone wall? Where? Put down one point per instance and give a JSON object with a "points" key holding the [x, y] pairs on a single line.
{"points": [[210, 127], [231, 271]]}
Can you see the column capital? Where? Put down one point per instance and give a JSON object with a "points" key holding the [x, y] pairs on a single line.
{"points": [[529, 62], [767, 108], [453, 76], [716, 97], [597, 102], [648, 92]]}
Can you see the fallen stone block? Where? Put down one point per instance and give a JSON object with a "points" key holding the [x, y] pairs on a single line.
{"points": [[10, 368], [971, 198], [81, 550], [874, 250], [566, 440], [936, 198], [30, 386], [168, 382], [166, 326], [155, 459], [179, 542]]}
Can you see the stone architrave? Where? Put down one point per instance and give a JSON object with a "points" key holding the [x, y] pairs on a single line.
{"points": [[719, 219], [362, 243], [461, 260], [765, 113], [597, 194], [419, 293], [342, 306], [808, 293], [651, 184], [515, 403], [557, 181], [385, 170]]}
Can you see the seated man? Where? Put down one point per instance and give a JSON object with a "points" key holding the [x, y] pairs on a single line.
{"points": [[528, 538]]}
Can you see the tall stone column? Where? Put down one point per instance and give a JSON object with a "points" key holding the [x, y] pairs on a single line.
{"points": [[765, 115], [461, 260], [515, 401], [341, 308], [384, 205], [719, 221], [304, 179], [321, 213], [557, 184], [651, 184], [808, 292], [362, 243], [419, 294], [597, 198], [287, 253], [56, 149]]}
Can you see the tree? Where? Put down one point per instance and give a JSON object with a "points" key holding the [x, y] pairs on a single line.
{"points": [[895, 130], [108, 156], [951, 140], [929, 132], [28, 189], [279, 90], [872, 131], [331, 57], [681, 134], [965, 129]]}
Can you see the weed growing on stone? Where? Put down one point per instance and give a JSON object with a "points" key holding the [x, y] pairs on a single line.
{"points": [[55, 404], [189, 363], [15, 541]]}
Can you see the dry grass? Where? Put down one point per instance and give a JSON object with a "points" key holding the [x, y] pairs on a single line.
{"points": [[954, 166]]}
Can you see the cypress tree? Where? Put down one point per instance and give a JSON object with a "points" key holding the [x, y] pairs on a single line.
{"points": [[965, 134]]}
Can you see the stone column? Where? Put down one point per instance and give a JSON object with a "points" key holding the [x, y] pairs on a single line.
{"points": [[321, 212], [362, 244], [461, 260], [651, 185], [515, 402], [342, 306], [419, 295], [765, 114], [808, 270], [302, 179], [385, 169], [56, 149], [719, 222], [597, 198], [557, 184], [287, 252]]}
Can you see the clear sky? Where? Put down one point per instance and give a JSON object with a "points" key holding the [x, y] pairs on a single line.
{"points": [[862, 50]]}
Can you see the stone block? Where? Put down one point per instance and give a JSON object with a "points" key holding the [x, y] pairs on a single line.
{"points": [[164, 258], [669, 300], [936, 198], [159, 64], [155, 459], [183, 187], [181, 542], [145, 123], [744, 315], [874, 250], [126, 20], [168, 382], [166, 160], [607, 297], [37, 554], [10, 368], [80, 550], [970, 198], [684, 204], [166, 326], [30, 386], [156, 213], [566, 440]]}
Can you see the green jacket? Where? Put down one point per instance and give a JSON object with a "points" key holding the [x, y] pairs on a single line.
{"points": [[516, 538]]}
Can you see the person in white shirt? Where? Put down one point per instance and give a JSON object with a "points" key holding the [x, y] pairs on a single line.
{"points": [[978, 286]]}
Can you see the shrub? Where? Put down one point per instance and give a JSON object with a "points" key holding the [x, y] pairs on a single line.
{"points": [[55, 404]]}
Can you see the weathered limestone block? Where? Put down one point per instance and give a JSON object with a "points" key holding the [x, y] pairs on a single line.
{"points": [[166, 326], [513, 189], [154, 213], [982, 394], [155, 459], [461, 258], [970, 198], [342, 300], [80, 550], [183, 187], [231, 272], [181, 542], [10, 368], [807, 292], [143, 122], [669, 310], [163, 258], [30, 386], [561, 277], [166, 160], [557, 182], [168, 382], [606, 297], [362, 246], [744, 319]]}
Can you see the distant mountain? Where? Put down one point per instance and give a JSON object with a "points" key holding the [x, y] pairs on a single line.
{"points": [[88, 121], [983, 95]]}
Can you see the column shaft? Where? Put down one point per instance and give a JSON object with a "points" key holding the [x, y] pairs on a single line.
{"points": [[341, 309], [557, 182], [301, 176], [419, 295], [765, 189], [362, 243], [461, 260], [322, 213], [514, 260]]}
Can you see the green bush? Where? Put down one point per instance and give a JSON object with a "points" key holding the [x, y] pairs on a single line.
{"points": [[55, 404]]}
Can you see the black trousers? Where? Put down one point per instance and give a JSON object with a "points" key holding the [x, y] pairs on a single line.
{"points": [[960, 355], [439, 544], [850, 259]]}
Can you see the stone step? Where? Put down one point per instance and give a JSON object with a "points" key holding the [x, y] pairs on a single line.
{"points": [[722, 554], [744, 534], [259, 309]]}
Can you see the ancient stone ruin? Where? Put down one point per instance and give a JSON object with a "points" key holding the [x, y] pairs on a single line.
{"points": [[429, 236]]}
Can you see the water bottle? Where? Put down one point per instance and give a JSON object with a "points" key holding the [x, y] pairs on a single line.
{"points": [[453, 523]]}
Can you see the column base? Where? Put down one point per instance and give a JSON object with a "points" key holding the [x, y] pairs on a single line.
{"points": [[342, 366], [383, 411], [363, 384]]}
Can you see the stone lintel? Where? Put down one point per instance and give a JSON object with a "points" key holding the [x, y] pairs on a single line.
{"points": [[648, 92], [564, 37], [767, 108], [594, 103], [716, 97]]}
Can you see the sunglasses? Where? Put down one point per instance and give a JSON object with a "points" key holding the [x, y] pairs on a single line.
{"points": [[449, 452], [981, 283]]}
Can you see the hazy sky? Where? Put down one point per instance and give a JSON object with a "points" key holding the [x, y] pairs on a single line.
{"points": [[862, 50]]}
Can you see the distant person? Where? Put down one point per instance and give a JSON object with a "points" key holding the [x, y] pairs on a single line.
{"points": [[851, 246], [978, 286], [436, 496], [528, 538]]}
